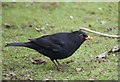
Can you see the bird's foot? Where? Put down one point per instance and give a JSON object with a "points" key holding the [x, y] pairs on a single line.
{"points": [[63, 65], [60, 69]]}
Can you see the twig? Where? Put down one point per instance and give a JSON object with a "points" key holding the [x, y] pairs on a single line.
{"points": [[99, 33]]}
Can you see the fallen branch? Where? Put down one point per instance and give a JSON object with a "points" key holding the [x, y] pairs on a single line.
{"points": [[99, 33], [112, 50]]}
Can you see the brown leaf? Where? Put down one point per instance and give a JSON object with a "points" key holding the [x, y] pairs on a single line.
{"points": [[102, 60], [7, 25], [38, 61]]}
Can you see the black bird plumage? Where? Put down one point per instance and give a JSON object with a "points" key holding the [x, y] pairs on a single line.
{"points": [[55, 46]]}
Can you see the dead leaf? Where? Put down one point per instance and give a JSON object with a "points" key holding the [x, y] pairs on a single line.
{"points": [[103, 22], [7, 25], [91, 79], [70, 61], [110, 28], [38, 29], [38, 61], [102, 60], [112, 50], [71, 17], [103, 55], [116, 48], [10, 76], [78, 69], [28, 77], [50, 6]]}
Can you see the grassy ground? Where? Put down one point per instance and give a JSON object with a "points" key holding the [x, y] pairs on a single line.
{"points": [[52, 18]]}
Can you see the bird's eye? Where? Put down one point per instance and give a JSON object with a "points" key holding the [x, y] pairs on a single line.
{"points": [[81, 35]]}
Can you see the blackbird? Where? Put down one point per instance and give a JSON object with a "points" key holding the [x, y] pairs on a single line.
{"points": [[55, 46]]}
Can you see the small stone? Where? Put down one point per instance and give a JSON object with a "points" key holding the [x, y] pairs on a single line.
{"points": [[100, 8], [91, 79], [114, 55], [71, 17], [103, 22]]}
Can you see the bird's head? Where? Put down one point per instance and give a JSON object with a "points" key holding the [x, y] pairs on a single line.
{"points": [[84, 35]]}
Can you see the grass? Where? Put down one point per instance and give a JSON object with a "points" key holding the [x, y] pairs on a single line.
{"points": [[53, 18]]}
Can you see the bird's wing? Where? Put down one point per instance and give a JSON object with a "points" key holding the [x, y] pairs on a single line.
{"points": [[56, 40], [48, 42]]}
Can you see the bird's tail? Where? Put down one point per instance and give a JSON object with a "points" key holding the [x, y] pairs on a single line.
{"points": [[15, 44]]}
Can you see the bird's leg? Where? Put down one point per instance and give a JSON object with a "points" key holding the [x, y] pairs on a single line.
{"points": [[60, 64], [57, 62], [56, 65], [60, 68]]}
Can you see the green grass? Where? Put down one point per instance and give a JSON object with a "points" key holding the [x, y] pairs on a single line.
{"points": [[53, 18]]}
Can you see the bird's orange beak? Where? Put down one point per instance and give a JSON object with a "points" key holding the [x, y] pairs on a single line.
{"points": [[89, 38]]}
